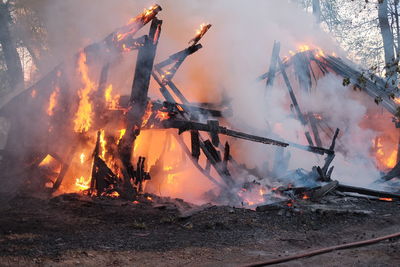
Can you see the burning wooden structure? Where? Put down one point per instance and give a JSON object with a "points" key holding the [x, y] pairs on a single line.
{"points": [[107, 127]]}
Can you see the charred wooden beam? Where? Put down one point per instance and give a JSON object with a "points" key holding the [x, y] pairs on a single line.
{"points": [[324, 190], [175, 107], [214, 125], [296, 106], [178, 57], [214, 157], [274, 61], [65, 166], [227, 155], [203, 30], [314, 128], [138, 100], [195, 141], [368, 192], [191, 125], [302, 70], [195, 163], [184, 125]]}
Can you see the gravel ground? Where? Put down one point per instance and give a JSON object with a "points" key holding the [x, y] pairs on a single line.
{"points": [[78, 230]]}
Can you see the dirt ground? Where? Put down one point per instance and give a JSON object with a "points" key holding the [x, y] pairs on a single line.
{"points": [[76, 230]]}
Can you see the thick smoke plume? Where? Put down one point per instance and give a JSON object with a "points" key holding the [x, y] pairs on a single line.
{"points": [[236, 51]]}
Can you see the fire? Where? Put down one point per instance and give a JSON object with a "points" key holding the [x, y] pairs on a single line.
{"points": [[204, 27], [303, 48], [82, 158], [114, 194], [253, 196], [83, 117], [82, 183], [386, 199], [121, 134], [103, 144], [47, 160], [306, 197], [148, 12], [387, 159], [147, 114], [161, 115], [397, 100], [170, 176], [317, 51], [134, 24], [111, 101], [52, 101]]}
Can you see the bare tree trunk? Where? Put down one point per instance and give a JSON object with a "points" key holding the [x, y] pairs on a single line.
{"points": [[396, 13], [388, 45], [316, 6], [11, 56]]}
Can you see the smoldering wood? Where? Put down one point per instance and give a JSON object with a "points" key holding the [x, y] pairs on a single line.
{"points": [[200, 34], [274, 206], [368, 192], [324, 190]]}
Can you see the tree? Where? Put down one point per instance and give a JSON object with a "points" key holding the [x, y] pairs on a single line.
{"points": [[391, 60], [316, 7], [15, 76]]}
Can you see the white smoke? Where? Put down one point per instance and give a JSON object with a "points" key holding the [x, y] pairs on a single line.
{"points": [[236, 51]]}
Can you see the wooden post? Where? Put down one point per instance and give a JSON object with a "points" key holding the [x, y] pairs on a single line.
{"points": [[138, 100]]}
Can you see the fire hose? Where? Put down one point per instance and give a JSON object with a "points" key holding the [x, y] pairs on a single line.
{"points": [[325, 250]]}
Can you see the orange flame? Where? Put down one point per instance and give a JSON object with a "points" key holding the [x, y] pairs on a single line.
{"points": [[102, 145], [111, 101], [121, 134], [387, 159], [83, 117], [46, 160], [53, 101], [82, 183], [386, 199], [134, 24]]}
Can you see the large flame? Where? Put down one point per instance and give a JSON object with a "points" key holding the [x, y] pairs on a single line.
{"points": [[83, 117], [386, 157]]}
